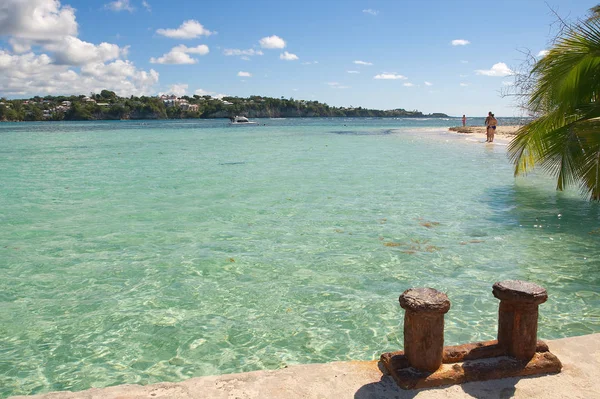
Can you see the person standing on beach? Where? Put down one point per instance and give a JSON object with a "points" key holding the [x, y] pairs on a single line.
{"points": [[492, 128], [487, 126], [490, 123], [464, 121]]}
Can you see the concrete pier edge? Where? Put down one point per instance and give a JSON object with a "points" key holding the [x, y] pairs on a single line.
{"points": [[363, 379]]}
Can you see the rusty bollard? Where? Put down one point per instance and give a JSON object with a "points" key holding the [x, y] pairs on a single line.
{"points": [[518, 316], [424, 327]]}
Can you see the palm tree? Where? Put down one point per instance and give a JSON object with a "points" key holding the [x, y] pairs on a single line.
{"points": [[565, 138]]}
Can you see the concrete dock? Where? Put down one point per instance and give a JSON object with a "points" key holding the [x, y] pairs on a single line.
{"points": [[580, 378]]}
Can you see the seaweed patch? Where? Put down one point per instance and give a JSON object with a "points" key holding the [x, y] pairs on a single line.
{"points": [[414, 246], [427, 223], [471, 242]]}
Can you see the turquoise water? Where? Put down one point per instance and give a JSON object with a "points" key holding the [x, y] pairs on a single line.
{"points": [[138, 252]]}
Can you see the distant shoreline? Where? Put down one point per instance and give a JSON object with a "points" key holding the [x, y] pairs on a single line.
{"points": [[253, 117], [108, 106]]}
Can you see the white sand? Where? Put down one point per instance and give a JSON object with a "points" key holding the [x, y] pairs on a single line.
{"points": [[504, 134]]}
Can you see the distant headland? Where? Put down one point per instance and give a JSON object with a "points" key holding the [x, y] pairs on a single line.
{"points": [[108, 106]]}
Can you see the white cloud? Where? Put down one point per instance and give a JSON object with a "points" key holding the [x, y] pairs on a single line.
{"points": [[310, 62], [202, 92], [238, 52], [50, 29], [463, 76], [43, 20], [499, 69], [288, 56], [119, 5], [336, 85], [99, 69], [464, 61], [507, 83], [47, 24], [272, 42], [20, 46], [146, 6], [116, 73], [179, 89], [121, 76], [353, 71], [244, 74], [363, 63], [464, 84], [201, 49], [179, 55], [174, 58], [388, 76], [30, 74], [26, 64], [408, 84], [460, 42], [190, 29], [543, 53], [370, 11], [72, 51], [428, 83]]}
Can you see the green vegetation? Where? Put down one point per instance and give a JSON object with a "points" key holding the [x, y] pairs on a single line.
{"points": [[107, 105], [565, 138]]}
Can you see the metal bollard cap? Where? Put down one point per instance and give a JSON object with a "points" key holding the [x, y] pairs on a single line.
{"points": [[519, 291], [424, 300]]}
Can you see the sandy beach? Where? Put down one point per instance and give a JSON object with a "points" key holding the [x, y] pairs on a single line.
{"points": [[504, 134]]}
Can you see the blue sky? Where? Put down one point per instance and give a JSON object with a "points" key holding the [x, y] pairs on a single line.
{"points": [[376, 54]]}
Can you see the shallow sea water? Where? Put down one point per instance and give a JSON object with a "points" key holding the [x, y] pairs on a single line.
{"points": [[138, 252]]}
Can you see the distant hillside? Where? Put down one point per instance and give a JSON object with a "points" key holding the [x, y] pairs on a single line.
{"points": [[108, 106]]}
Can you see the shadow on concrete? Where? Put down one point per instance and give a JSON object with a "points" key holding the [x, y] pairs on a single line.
{"points": [[384, 389], [499, 388], [387, 388], [504, 388]]}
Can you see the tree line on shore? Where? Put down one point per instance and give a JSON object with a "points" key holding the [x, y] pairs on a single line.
{"points": [[106, 105]]}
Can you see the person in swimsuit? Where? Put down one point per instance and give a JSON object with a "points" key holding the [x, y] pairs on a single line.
{"points": [[493, 122], [464, 120], [487, 126]]}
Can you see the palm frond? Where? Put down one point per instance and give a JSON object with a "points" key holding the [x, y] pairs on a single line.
{"points": [[565, 139]]}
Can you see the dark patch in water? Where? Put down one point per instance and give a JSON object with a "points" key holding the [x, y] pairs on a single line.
{"points": [[363, 133], [477, 233], [344, 132], [232, 163]]}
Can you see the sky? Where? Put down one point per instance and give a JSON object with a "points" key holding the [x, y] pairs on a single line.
{"points": [[454, 57]]}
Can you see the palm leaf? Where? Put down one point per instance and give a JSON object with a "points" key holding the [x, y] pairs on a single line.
{"points": [[565, 139]]}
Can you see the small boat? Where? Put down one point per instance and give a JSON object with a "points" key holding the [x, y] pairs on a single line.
{"points": [[241, 120]]}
